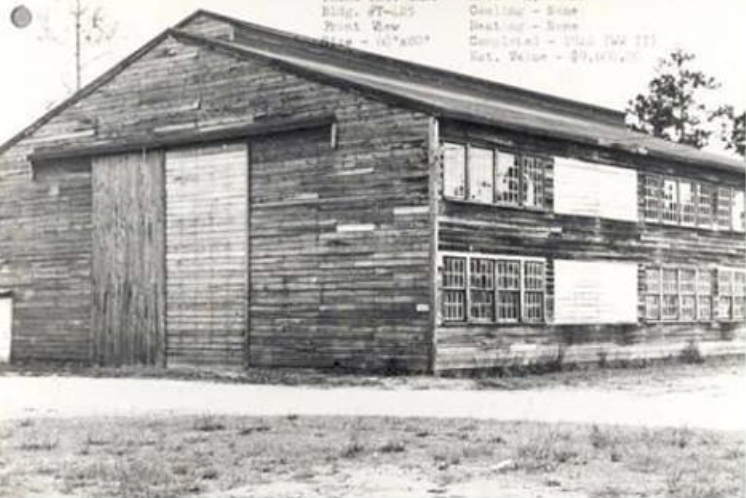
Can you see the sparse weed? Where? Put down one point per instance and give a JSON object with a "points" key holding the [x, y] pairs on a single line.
{"points": [[208, 423], [353, 448], [601, 439], [393, 447], [546, 449], [39, 441], [691, 354], [674, 481]]}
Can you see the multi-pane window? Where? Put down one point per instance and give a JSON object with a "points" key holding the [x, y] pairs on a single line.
{"points": [[454, 289], [507, 180], [739, 295], [731, 294], [482, 289], [723, 209], [738, 216], [705, 201], [533, 181], [454, 170], [670, 301], [491, 176], [688, 205], [534, 291], [704, 294], [652, 197], [676, 201], [681, 294], [725, 294], [509, 291], [670, 212], [493, 289], [481, 174], [688, 292], [653, 293]]}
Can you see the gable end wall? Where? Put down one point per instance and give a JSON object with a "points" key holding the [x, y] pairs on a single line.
{"points": [[371, 280]]}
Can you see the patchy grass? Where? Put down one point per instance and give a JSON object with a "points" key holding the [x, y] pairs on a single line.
{"points": [[39, 440], [208, 423], [343, 456]]}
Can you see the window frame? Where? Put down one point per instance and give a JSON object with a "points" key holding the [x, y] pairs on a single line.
{"points": [[709, 296], [496, 258], [697, 294], [539, 164], [693, 193], [502, 290], [739, 295], [687, 294], [446, 194], [676, 221], [656, 293], [711, 189], [520, 157], [713, 207], [738, 218], [469, 174], [463, 290], [652, 190], [723, 215], [488, 289], [676, 294], [515, 158], [525, 290]]}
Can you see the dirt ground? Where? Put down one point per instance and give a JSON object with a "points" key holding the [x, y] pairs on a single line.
{"points": [[709, 398], [372, 457], [663, 432]]}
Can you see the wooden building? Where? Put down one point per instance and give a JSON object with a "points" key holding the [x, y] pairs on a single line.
{"points": [[231, 195]]}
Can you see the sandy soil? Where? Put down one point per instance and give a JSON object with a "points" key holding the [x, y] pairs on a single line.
{"points": [[716, 400]]}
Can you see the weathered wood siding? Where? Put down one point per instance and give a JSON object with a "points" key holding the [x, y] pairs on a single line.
{"points": [[128, 259], [334, 238], [469, 227], [45, 257], [206, 255], [339, 249], [368, 198]]}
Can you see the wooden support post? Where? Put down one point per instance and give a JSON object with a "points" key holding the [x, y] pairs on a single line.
{"points": [[433, 158]]}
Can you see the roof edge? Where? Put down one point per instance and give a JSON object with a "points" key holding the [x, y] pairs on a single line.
{"points": [[724, 163], [609, 115], [85, 91]]}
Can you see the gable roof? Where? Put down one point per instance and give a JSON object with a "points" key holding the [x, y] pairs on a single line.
{"points": [[284, 43], [435, 91]]}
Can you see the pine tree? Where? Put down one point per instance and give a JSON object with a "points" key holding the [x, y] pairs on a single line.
{"points": [[673, 108]]}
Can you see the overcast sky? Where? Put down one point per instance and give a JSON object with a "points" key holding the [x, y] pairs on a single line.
{"points": [[37, 72]]}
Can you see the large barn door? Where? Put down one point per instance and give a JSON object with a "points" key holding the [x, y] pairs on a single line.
{"points": [[6, 324], [128, 259], [206, 255]]}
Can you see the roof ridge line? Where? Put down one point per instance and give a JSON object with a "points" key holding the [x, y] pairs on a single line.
{"points": [[417, 104], [464, 78]]}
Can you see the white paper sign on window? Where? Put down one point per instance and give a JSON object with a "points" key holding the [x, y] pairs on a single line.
{"points": [[589, 189], [595, 292]]}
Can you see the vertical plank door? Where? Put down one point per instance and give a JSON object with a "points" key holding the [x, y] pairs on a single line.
{"points": [[128, 259], [206, 255]]}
